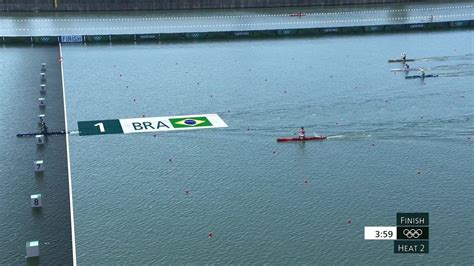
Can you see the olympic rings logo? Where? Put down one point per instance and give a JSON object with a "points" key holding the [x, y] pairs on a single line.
{"points": [[412, 233]]}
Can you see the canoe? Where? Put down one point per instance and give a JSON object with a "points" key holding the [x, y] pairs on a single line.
{"points": [[400, 60], [420, 77], [407, 70], [39, 133], [288, 139]]}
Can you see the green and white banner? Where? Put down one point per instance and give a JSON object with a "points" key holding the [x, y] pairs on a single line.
{"points": [[150, 124]]}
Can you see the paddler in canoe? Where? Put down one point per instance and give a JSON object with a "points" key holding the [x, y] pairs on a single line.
{"points": [[404, 56], [44, 128], [422, 73], [301, 137], [302, 133]]}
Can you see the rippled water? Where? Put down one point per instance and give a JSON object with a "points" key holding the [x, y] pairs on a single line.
{"points": [[394, 145]]}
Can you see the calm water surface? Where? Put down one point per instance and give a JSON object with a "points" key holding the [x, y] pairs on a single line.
{"points": [[394, 145]]}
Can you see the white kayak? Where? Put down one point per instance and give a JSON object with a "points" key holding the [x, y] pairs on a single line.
{"points": [[407, 70]]}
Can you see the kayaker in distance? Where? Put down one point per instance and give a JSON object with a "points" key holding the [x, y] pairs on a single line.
{"points": [[301, 137], [44, 128], [302, 133], [404, 56]]}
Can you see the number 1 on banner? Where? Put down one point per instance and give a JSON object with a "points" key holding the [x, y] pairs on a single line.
{"points": [[101, 127]]}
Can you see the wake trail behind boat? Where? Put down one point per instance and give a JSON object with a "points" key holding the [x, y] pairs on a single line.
{"points": [[349, 136], [448, 58], [457, 74], [336, 137]]}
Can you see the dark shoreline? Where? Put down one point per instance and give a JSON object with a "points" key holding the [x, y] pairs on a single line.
{"points": [[251, 34], [143, 5]]}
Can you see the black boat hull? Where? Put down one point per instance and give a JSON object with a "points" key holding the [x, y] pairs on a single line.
{"points": [[21, 135], [420, 77]]}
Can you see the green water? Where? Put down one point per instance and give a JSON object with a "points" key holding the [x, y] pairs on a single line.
{"points": [[394, 145]]}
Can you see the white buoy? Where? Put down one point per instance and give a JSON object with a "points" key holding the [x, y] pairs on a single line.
{"points": [[39, 139], [43, 88], [39, 166], [42, 102], [36, 201], [43, 76], [32, 249]]}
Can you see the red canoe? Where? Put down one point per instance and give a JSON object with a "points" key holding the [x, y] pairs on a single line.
{"points": [[298, 139]]}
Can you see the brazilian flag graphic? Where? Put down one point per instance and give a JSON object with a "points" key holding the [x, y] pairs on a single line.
{"points": [[200, 121]]}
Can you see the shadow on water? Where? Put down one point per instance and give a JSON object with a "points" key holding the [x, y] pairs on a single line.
{"points": [[33, 261], [39, 174], [301, 146], [37, 213], [40, 147]]}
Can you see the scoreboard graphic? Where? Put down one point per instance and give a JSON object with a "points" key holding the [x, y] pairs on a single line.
{"points": [[411, 235]]}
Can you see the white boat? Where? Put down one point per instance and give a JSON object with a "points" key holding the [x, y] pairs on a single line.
{"points": [[407, 69]]}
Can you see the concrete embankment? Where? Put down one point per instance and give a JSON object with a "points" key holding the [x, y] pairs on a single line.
{"points": [[109, 38], [125, 5]]}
